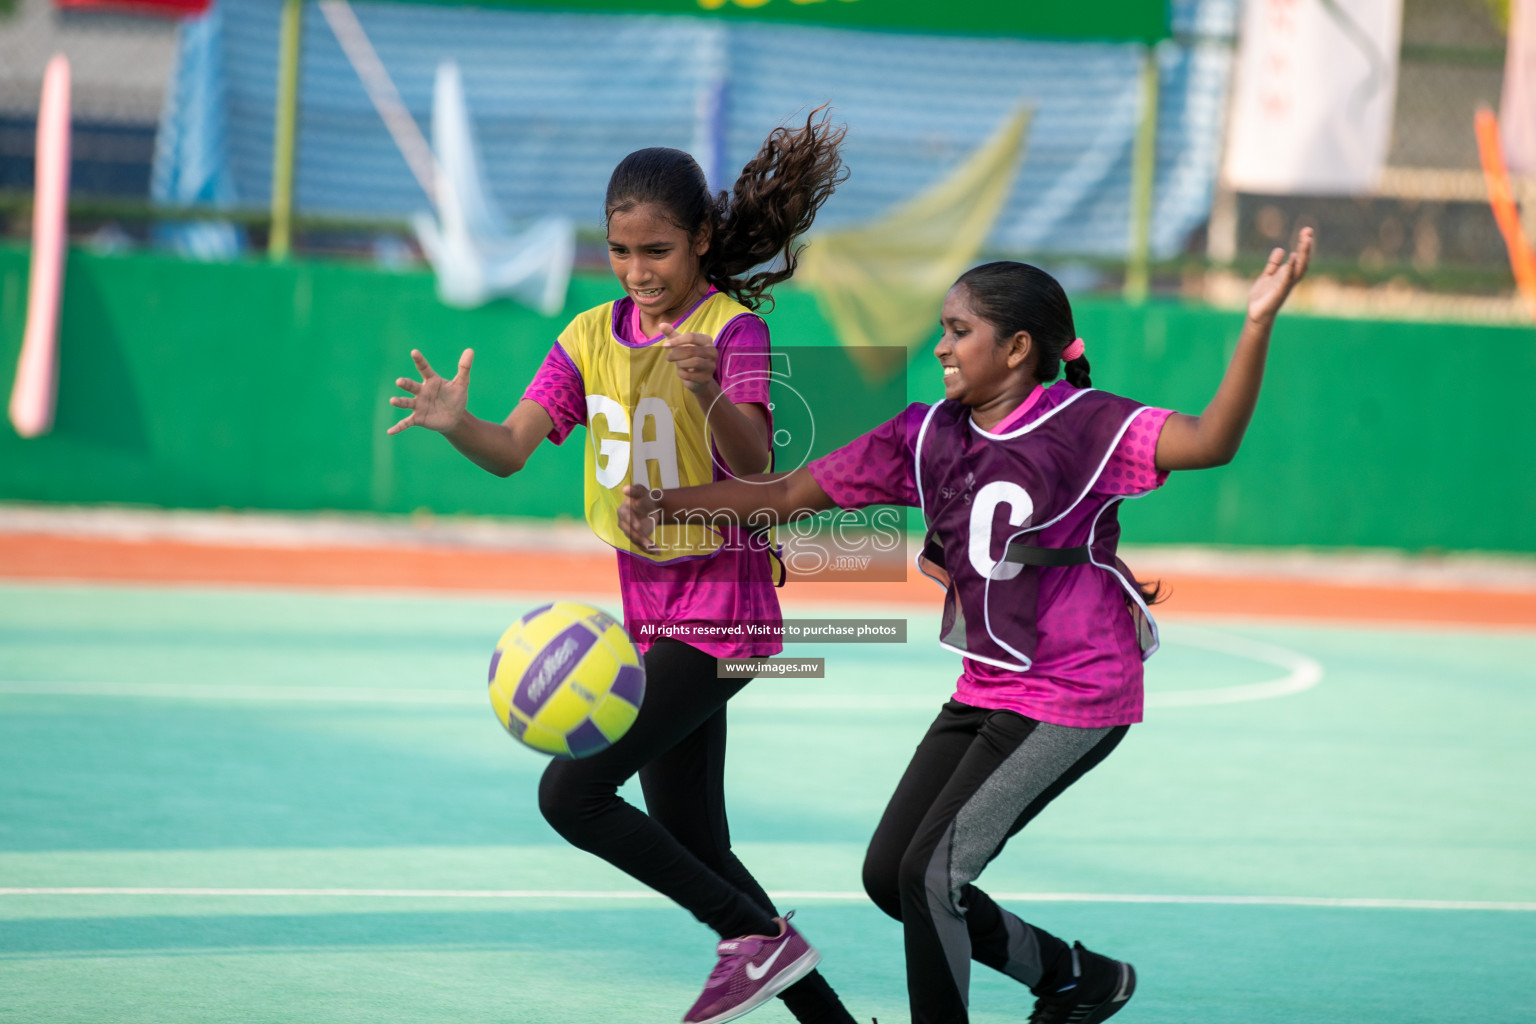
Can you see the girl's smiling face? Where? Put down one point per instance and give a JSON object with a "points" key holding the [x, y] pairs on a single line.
{"points": [[657, 262], [978, 371]]}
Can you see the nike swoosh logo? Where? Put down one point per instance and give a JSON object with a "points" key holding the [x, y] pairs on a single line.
{"points": [[756, 973]]}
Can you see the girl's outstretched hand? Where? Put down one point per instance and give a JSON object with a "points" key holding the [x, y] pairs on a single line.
{"points": [[1277, 279], [435, 403], [637, 516]]}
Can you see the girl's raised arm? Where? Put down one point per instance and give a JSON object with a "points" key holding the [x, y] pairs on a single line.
{"points": [[1213, 437]]}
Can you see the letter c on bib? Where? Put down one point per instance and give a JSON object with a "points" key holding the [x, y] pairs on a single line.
{"points": [[1020, 507], [612, 452]]}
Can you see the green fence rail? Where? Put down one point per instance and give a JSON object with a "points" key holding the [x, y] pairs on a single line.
{"points": [[264, 386], [1109, 20]]}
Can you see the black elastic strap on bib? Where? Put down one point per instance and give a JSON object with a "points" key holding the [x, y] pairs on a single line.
{"points": [[1024, 554]]}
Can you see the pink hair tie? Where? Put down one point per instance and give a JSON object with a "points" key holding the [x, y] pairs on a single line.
{"points": [[1073, 351]]}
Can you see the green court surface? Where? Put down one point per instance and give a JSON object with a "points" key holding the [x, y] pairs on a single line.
{"points": [[242, 805]]}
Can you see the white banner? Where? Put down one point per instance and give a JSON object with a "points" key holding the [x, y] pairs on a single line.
{"points": [[1312, 106], [1517, 109]]}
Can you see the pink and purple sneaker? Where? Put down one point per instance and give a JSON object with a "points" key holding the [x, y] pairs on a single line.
{"points": [[752, 970]]}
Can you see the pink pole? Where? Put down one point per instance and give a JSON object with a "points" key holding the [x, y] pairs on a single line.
{"points": [[36, 389]]}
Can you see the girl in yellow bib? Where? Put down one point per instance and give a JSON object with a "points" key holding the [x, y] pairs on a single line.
{"points": [[671, 382]]}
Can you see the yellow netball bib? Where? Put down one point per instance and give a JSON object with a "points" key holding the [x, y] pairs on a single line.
{"points": [[643, 425]]}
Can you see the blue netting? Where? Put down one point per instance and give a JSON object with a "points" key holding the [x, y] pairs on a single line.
{"points": [[557, 100]]}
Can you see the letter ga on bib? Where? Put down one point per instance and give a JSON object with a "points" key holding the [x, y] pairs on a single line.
{"points": [[643, 425]]}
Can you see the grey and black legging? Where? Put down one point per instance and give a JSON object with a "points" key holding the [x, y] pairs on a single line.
{"points": [[976, 779], [682, 847]]}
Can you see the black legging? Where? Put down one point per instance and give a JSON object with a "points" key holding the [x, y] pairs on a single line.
{"points": [[975, 780], [682, 848]]}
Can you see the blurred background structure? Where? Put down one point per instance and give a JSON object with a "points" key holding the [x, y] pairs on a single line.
{"points": [[121, 65], [240, 208], [552, 120]]}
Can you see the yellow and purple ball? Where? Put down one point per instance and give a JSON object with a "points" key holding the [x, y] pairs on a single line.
{"points": [[566, 680]]}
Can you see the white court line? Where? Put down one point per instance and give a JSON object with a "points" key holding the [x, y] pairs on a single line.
{"points": [[1302, 673], [240, 692], [1359, 903]]}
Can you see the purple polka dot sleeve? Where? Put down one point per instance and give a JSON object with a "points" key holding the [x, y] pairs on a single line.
{"points": [[876, 469], [744, 367], [1132, 468], [558, 387]]}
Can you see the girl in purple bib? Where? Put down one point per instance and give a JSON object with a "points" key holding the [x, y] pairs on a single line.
{"points": [[1019, 480]]}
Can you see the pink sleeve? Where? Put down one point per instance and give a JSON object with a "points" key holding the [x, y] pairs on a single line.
{"points": [[1132, 467], [558, 387], [744, 366], [876, 469]]}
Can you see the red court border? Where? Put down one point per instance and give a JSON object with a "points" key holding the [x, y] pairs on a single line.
{"points": [[43, 556]]}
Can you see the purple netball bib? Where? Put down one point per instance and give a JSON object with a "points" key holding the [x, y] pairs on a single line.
{"points": [[987, 496]]}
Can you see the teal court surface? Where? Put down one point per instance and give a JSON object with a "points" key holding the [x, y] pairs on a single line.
{"points": [[222, 805]]}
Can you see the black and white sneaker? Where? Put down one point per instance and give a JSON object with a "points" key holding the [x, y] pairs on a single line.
{"points": [[1099, 989]]}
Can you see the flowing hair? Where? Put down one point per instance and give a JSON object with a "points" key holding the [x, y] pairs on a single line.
{"points": [[774, 201]]}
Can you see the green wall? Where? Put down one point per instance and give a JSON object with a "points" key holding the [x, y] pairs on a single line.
{"points": [[259, 386]]}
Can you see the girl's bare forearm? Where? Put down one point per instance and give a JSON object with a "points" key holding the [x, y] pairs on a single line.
{"points": [[491, 446], [741, 441], [501, 448], [763, 499], [1213, 437], [1225, 420]]}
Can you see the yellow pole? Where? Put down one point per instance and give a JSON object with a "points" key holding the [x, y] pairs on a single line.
{"points": [[1143, 171], [285, 128]]}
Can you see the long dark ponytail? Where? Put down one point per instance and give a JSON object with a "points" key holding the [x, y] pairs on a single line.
{"points": [[1015, 297], [773, 202]]}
